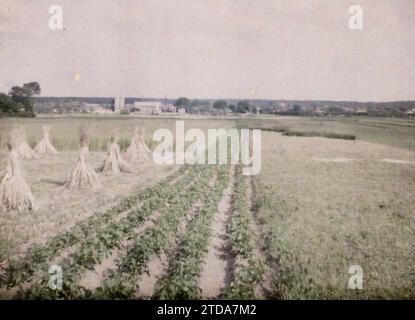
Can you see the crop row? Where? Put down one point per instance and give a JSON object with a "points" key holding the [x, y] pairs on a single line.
{"points": [[95, 248], [248, 271], [155, 240], [22, 269], [238, 228], [186, 266]]}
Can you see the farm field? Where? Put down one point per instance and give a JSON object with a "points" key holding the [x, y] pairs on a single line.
{"points": [[327, 204], [64, 135], [164, 230], [191, 232], [390, 131]]}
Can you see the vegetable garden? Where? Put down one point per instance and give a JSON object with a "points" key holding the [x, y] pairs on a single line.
{"points": [[173, 217]]}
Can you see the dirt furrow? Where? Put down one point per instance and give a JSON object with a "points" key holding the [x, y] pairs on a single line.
{"points": [[93, 278], [217, 269], [158, 266]]}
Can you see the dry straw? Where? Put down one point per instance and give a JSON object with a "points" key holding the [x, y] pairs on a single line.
{"points": [[45, 146], [15, 193], [138, 151], [114, 163], [83, 175], [23, 148]]}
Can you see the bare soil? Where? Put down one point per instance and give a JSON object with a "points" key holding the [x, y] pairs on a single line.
{"points": [[58, 209], [158, 266], [93, 278], [217, 268]]}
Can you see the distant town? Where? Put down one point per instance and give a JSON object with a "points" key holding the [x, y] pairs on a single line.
{"points": [[183, 105]]}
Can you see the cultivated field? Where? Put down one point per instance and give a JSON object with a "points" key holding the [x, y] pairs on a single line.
{"points": [[328, 204], [318, 206]]}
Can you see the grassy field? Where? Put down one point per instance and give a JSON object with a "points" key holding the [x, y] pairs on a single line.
{"points": [[393, 132], [318, 206], [390, 131], [65, 130], [328, 204]]}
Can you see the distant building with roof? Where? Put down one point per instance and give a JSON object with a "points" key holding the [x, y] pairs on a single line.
{"points": [[147, 107], [119, 104]]}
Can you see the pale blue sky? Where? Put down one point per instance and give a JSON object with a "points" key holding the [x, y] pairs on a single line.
{"points": [[286, 49]]}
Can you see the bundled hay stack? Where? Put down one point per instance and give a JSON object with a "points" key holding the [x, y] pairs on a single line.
{"points": [[144, 145], [83, 175], [45, 146], [23, 149], [138, 151], [15, 193], [114, 163]]}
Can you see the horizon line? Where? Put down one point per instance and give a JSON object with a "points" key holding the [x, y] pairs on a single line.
{"points": [[240, 99]]}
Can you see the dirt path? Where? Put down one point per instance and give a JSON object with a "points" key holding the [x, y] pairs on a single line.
{"points": [[217, 268]]}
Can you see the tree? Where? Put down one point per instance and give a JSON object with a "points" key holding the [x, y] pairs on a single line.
{"points": [[220, 104], [182, 102], [335, 110], [22, 97], [32, 88], [296, 109], [244, 107], [6, 105]]}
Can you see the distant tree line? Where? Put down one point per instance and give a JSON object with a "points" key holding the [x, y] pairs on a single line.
{"points": [[19, 102], [298, 108], [217, 107]]}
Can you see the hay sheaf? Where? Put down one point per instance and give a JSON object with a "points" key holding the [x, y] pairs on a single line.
{"points": [[15, 193], [44, 146]]}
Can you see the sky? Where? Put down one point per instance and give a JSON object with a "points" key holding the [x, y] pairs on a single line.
{"points": [[242, 49]]}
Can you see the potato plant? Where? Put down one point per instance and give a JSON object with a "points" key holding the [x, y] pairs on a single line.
{"points": [[95, 248], [248, 274], [238, 228], [186, 265], [153, 241], [23, 269]]}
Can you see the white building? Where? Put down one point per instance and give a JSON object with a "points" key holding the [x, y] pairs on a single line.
{"points": [[148, 107]]}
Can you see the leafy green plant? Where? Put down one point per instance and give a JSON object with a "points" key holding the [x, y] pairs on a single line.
{"points": [[245, 280], [238, 229], [157, 238], [185, 267], [248, 275], [23, 269]]}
